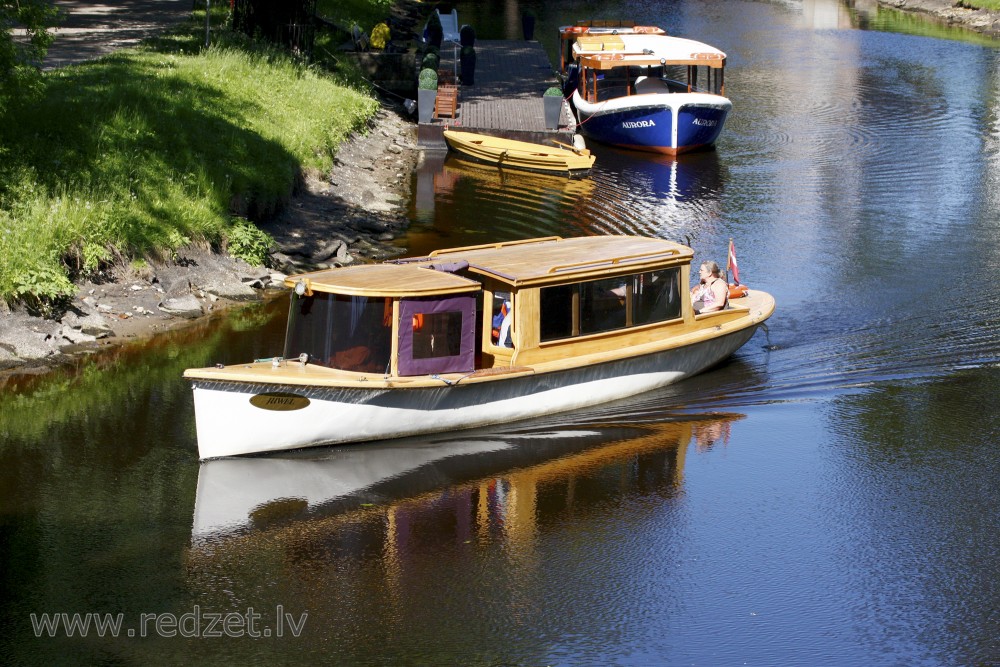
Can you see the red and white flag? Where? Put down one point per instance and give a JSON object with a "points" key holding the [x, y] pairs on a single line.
{"points": [[731, 263]]}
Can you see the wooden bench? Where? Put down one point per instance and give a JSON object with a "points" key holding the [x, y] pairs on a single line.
{"points": [[446, 103]]}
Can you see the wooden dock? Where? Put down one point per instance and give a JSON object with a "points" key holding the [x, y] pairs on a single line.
{"points": [[505, 99]]}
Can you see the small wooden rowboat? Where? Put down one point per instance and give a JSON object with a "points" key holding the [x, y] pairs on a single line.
{"points": [[519, 154], [469, 337]]}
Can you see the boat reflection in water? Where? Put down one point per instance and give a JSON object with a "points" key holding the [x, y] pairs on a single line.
{"points": [[487, 480], [626, 193]]}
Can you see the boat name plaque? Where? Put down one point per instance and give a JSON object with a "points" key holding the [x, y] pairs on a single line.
{"points": [[279, 401]]}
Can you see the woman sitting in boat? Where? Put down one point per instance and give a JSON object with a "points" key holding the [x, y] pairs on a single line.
{"points": [[712, 293]]}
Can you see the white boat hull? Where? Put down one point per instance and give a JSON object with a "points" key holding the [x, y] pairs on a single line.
{"points": [[229, 424]]}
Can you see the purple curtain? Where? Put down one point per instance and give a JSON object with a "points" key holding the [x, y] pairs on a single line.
{"points": [[464, 361]]}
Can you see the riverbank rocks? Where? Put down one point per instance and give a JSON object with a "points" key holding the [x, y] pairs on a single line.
{"points": [[186, 306], [91, 324], [25, 339]]}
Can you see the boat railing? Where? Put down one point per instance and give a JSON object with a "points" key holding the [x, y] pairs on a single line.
{"points": [[492, 246], [625, 259]]}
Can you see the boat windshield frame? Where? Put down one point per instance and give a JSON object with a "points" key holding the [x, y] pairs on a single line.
{"points": [[344, 332]]}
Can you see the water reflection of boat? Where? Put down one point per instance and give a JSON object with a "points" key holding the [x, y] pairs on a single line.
{"points": [[627, 92], [469, 337], [239, 496], [510, 154], [504, 181], [695, 177]]}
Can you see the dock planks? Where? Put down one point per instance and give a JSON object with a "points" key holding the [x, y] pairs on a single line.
{"points": [[506, 97]]}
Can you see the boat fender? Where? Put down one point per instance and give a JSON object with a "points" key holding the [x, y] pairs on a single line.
{"points": [[738, 291]]}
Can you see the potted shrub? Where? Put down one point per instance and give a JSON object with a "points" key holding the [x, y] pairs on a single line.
{"points": [[528, 24], [427, 85], [467, 58], [467, 35], [431, 60], [434, 32], [552, 98]]}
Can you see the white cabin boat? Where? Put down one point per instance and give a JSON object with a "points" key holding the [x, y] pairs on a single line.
{"points": [[469, 337], [638, 88]]}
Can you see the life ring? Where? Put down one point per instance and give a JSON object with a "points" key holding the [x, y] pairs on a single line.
{"points": [[575, 29], [738, 291], [645, 29], [706, 56]]}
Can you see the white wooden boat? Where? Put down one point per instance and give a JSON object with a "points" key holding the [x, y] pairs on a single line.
{"points": [[638, 88], [470, 337], [508, 153]]}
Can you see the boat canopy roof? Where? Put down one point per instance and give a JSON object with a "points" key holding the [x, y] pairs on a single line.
{"points": [[383, 280], [518, 263], [550, 260], [606, 51]]}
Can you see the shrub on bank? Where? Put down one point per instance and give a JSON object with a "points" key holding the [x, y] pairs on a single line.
{"points": [[143, 151]]}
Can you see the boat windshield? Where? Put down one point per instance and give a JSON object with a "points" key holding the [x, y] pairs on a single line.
{"points": [[351, 333]]}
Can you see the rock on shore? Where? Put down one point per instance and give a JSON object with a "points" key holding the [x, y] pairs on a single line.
{"points": [[351, 214]]}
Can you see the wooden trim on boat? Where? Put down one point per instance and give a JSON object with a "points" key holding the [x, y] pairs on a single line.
{"points": [[613, 261], [600, 61], [548, 357], [384, 280], [492, 246]]}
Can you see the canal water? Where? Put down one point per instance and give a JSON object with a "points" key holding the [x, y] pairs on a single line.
{"points": [[827, 496]]}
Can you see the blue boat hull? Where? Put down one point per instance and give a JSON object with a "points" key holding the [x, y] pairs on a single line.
{"points": [[652, 127]]}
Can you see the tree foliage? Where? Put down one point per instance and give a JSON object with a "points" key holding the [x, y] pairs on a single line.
{"points": [[24, 40], [285, 22]]}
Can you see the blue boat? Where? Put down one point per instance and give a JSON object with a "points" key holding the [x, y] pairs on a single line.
{"points": [[637, 88]]}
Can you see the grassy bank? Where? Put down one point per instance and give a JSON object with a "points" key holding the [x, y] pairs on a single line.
{"points": [[139, 153]]}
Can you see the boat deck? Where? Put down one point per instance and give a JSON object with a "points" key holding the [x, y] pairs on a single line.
{"points": [[506, 97]]}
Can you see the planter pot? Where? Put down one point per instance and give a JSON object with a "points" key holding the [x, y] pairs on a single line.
{"points": [[553, 109], [425, 105], [528, 25], [468, 71]]}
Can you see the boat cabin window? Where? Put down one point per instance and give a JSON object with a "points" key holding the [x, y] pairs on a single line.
{"points": [[437, 335], [351, 333], [502, 320], [609, 304]]}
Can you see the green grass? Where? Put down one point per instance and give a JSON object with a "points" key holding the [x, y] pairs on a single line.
{"points": [[141, 152], [992, 5]]}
